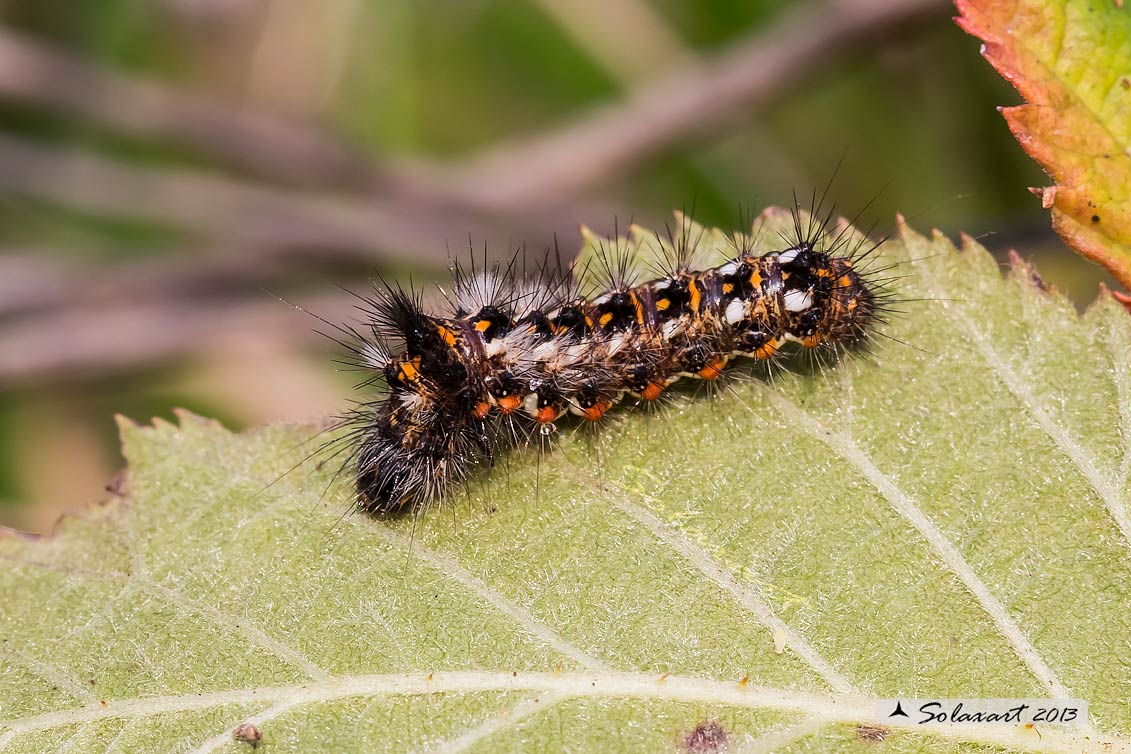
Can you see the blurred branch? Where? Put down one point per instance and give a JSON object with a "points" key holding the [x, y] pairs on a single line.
{"points": [[265, 231], [694, 100], [690, 102], [27, 279], [35, 284], [39, 74], [240, 213], [82, 342]]}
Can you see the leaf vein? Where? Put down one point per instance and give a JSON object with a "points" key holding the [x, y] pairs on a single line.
{"points": [[835, 708], [496, 599], [49, 673], [252, 633], [947, 552], [526, 708], [258, 719], [1067, 444], [747, 595], [779, 738]]}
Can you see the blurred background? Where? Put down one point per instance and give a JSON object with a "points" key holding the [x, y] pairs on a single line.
{"points": [[169, 167]]}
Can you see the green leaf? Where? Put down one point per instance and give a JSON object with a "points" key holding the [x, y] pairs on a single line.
{"points": [[947, 516]]}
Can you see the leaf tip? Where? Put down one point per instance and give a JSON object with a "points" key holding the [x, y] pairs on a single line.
{"points": [[125, 425], [967, 243], [1026, 271], [1119, 296], [639, 233], [902, 228], [186, 417]]}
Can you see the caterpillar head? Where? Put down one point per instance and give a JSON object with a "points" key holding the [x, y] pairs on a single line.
{"points": [[827, 300], [410, 455]]}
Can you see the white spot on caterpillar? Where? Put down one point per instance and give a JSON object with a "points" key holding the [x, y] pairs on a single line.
{"points": [[545, 351], [787, 256], [728, 269], [735, 310], [798, 301]]}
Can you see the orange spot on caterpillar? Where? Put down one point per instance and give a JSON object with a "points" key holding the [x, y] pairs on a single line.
{"points": [[652, 391], [596, 411], [482, 408], [766, 351], [811, 341], [410, 370], [483, 325], [714, 369], [447, 335], [546, 415], [509, 403]]}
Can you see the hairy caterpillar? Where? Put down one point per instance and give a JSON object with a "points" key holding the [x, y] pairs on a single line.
{"points": [[516, 353]]}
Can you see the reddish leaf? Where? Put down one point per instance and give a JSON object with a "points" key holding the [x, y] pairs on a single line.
{"points": [[1071, 61]]}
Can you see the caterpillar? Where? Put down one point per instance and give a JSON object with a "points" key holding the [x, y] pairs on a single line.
{"points": [[632, 315]]}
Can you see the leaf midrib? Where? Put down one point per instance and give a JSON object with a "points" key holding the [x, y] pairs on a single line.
{"points": [[826, 708]]}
